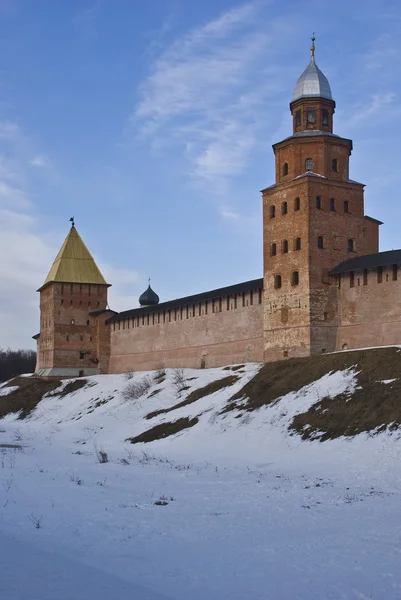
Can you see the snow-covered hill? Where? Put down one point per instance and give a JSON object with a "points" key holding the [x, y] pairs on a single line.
{"points": [[224, 499]]}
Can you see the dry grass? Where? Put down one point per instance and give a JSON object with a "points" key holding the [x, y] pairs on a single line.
{"points": [[28, 395], [372, 407], [164, 430], [196, 395]]}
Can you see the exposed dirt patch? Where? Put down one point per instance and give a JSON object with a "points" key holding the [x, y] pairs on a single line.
{"points": [[28, 395], [72, 386], [164, 430], [154, 393], [234, 368], [373, 406], [12, 446], [279, 378], [211, 388]]}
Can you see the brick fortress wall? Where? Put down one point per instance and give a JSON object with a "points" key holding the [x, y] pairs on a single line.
{"points": [[215, 332]]}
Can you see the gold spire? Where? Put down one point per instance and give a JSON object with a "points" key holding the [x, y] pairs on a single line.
{"points": [[74, 263], [312, 48]]}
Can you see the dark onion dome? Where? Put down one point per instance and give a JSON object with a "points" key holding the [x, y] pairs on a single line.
{"points": [[149, 298]]}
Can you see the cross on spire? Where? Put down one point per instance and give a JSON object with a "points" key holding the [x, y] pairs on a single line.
{"points": [[72, 220]]}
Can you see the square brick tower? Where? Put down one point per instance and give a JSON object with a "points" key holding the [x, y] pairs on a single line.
{"points": [[74, 339], [313, 219]]}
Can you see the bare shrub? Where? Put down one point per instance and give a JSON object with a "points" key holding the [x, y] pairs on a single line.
{"points": [[179, 380], [7, 484], [37, 521], [162, 501], [101, 455], [129, 375], [76, 479], [160, 374], [137, 389]]}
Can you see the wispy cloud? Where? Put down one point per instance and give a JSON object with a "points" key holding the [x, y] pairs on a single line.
{"points": [[40, 161], [197, 93]]}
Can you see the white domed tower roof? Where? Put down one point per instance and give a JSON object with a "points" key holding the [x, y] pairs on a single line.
{"points": [[312, 83]]}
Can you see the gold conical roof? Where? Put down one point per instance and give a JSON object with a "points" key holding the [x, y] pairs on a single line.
{"points": [[74, 263]]}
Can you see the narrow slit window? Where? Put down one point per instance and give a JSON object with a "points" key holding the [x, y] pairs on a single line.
{"points": [[365, 277], [272, 212], [346, 206], [285, 246], [277, 282], [334, 165], [352, 279], [273, 249], [298, 118], [298, 243], [285, 168], [320, 242], [318, 202], [395, 272], [325, 117], [350, 245], [332, 204], [297, 203], [295, 278]]}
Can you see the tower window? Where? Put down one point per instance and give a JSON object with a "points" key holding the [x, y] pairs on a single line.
{"points": [[295, 278], [346, 206], [318, 202], [325, 117], [277, 281], [82, 355], [284, 208], [273, 249], [379, 274], [272, 212], [332, 204], [395, 272], [88, 322], [352, 279], [285, 246], [308, 164], [311, 116], [298, 243], [350, 245], [285, 168], [298, 118], [334, 165], [297, 203], [365, 277], [320, 243]]}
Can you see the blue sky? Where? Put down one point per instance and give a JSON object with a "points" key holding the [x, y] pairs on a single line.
{"points": [[152, 122]]}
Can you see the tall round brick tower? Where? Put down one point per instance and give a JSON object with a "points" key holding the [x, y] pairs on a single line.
{"points": [[313, 219], [74, 339]]}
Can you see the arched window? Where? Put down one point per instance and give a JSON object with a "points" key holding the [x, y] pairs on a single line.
{"points": [[308, 164], [285, 246], [297, 203], [285, 168], [295, 278], [273, 249], [334, 165], [298, 243], [320, 243], [284, 208], [272, 212], [277, 281], [325, 116], [350, 245]]}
